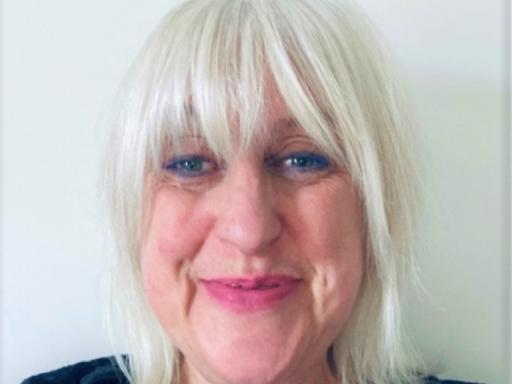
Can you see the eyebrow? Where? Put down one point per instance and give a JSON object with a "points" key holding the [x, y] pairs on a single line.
{"points": [[189, 109], [286, 124], [288, 121]]}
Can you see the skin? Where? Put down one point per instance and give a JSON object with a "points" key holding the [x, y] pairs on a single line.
{"points": [[246, 218]]}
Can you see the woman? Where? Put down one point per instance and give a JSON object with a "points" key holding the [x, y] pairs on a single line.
{"points": [[263, 201]]}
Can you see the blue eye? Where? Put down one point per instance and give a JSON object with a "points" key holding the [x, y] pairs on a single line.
{"points": [[190, 166], [306, 161], [298, 164]]}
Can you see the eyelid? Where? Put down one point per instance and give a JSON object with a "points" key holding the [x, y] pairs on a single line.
{"points": [[316, 165], [196, 168], [173, 165], [273, 160]]}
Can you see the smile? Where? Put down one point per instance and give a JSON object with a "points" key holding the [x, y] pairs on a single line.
{"points": [[241, 294]]}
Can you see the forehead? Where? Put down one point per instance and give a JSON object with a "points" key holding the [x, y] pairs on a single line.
{"points": [[274, 120], [277, 127], [274, 106], [234, 121]]}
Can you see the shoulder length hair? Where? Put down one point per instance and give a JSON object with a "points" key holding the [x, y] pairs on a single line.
{"points": [[334, 75]]}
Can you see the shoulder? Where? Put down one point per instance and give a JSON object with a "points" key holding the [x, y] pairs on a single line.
{"points": [[99, 371], [435, 380]]}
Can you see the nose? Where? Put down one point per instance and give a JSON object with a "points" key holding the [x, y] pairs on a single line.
{"points": [[247, 216]]}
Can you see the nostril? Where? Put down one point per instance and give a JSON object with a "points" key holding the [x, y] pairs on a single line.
{"points": [[250, 233]]}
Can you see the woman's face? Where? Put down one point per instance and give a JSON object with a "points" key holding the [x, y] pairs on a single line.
{"points": [[253, 265]]}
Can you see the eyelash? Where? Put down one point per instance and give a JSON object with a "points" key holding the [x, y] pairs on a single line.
{"points": [[292, 165], [186, 166], [298, 162]]}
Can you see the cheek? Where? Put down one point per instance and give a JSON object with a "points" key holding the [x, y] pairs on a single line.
{"points": [[332, 225], [175, 231], [172, 239]]}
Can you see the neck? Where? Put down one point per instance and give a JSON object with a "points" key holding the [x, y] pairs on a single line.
{"points": [[322, 374]]}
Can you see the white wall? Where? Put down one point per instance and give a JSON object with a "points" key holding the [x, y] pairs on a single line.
{"points": [[454, 53], [62, 61]]}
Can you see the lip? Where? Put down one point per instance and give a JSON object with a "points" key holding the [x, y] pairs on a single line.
{"points": [[249, 294]]}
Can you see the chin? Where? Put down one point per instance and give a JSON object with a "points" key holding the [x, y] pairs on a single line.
{"points": [[258, 350], [247, 359], [248, 369]]}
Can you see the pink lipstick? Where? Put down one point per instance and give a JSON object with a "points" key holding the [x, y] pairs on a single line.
{"points": [[241, 294]]}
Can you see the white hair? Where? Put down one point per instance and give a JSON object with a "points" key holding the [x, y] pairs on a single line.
{"points": [[332, 72]]}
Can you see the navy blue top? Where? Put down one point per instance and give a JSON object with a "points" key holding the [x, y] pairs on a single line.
{"points": [[99, 371], [106, 371]]}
